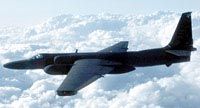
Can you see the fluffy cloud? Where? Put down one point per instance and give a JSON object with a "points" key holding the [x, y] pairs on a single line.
{"points": [[151, 87]]}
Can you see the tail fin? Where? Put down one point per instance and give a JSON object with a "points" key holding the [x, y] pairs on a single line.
{"points": [[182, 37]]}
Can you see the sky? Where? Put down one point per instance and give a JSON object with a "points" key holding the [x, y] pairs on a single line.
{"points": [[30, 12], [176, 86]]}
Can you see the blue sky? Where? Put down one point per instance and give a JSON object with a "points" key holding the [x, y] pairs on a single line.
{"points": [[28, 12]]}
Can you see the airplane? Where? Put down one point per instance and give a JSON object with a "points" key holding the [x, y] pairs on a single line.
{"points": [[84, 68]]}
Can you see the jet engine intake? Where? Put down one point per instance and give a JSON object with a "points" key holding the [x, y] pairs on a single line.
{"points": [[64, 59], [57, 69]]}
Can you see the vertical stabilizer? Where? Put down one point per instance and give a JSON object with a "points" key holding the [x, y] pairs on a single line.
{"points": [[182, 37]]}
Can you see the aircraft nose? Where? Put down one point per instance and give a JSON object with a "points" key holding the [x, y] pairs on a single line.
{"points": [[7, 65], [16, 65]]}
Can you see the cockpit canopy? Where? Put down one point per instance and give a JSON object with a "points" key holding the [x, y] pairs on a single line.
{"points": [[39, 56]]}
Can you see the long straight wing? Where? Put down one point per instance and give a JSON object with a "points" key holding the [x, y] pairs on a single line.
{"points": [[83, 73], [119, 47]]}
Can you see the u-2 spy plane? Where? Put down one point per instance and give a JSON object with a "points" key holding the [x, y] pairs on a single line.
{"points": [[84, 68]]}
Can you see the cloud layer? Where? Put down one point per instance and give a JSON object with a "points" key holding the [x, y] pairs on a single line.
{"points": [[151, 87]]}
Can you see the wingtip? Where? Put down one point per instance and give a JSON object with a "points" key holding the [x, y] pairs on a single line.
{"points": [[123, 42], [66, 93]]}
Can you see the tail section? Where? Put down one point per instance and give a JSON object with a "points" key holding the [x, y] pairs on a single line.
{"points": [[182, 37]]}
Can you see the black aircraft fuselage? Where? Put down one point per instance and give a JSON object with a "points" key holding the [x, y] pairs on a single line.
{"points": [[88, 67], [61, 63]]}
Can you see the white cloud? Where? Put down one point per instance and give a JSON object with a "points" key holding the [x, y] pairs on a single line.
{"points": [[152, 87]]}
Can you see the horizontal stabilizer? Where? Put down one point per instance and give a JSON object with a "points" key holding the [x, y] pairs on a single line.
{"points": [[179, 52]]}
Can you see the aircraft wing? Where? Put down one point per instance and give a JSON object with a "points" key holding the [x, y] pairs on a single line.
{"points": [[82, 73], [119, 47]]}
